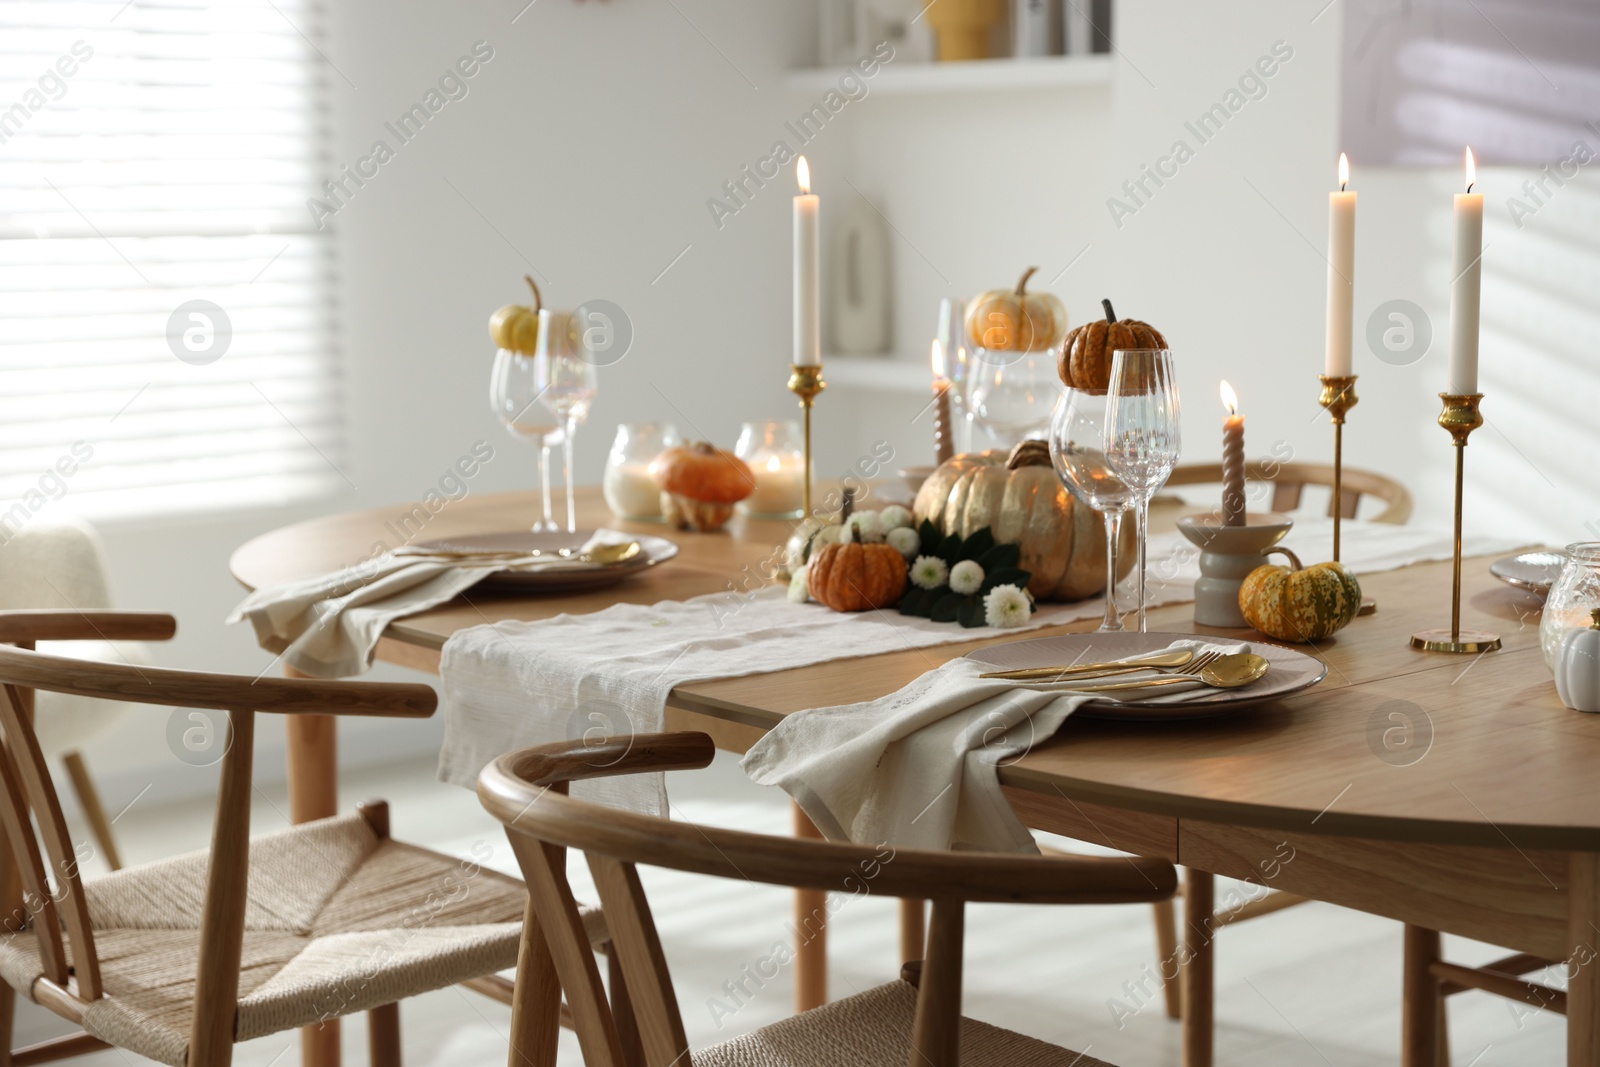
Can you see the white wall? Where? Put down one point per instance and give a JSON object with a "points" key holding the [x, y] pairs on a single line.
{"points": [[594, 137]]}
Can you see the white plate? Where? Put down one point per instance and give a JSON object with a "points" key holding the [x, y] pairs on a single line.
{"points": [[1290, 672], [565, 577]]}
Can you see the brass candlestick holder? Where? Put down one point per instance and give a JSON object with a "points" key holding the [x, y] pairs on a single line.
{"points": [[1338, 396], [805, 382], [1460, 417]]}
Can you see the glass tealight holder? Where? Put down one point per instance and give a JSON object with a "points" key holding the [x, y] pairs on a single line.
{"points": [[630, 491], [775, 453], [1574, 595]]}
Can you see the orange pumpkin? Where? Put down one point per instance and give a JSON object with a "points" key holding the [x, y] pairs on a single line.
{"points": [[1085, 360], [856, 577], [700, 484], [515, 327]]}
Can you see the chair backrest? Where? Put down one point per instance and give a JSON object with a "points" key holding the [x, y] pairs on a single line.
{"points": [[30, 808], [1289, 480], [53, 563], [526, 790]]}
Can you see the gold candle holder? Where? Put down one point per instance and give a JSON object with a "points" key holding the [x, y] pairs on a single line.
{"points": [[1338, 396], [1460, 417], [805, 382]]}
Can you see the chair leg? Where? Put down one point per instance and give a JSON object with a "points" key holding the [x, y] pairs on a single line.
{"points": [[1166, 923], [1199, 935], [536, 1002], [622, 1012], [8, 1008], [383, 1035], [89, 800]]}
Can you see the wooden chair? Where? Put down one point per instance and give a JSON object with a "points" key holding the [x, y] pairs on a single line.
{"points": [[177, 960], [1289, 481], [897, 1024]]}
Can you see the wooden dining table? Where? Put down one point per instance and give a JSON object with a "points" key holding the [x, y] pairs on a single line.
{"points": [[1453, 793]]}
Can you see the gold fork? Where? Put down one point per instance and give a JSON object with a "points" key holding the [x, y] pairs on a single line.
{"points": [[1193, 666]]}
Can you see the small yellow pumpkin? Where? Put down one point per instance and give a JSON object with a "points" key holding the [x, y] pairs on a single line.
{"points": [[1298, 603], [515, 327], [1015, 320]]}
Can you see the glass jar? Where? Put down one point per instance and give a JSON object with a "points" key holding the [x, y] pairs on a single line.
{"points": [[630, 491], [1574, 595], [775, 453]]}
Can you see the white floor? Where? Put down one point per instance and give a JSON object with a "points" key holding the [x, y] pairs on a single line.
{"points": [[1312, 985]]}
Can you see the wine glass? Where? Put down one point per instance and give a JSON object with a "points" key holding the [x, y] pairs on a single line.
{"points": [[1078, 450], [1010, 394], [516, 396], [570, 383], [1142, 435]]}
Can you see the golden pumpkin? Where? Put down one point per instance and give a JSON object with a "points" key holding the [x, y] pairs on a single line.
{"points": [[856, 577], [1015, 320], [1022, 502], [1085, 360], [1298, 603], [515, 327], [700, 484]]}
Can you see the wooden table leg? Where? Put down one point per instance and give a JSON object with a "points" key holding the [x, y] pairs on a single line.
{"points": [[913, 930], [314, 794], [1419, 1000], [1583, 959], [1195, 977], [811, 933]]}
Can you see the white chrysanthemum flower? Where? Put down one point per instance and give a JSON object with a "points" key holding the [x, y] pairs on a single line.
{"points": [[929, 572], [1006, 606], [863, 526], [894, 517], [904, 540], [966, 577], [799, 589]]}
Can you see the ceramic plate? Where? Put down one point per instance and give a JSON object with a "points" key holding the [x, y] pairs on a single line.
{"points": [[1290, 672], [1533, 571], [568, 576]]}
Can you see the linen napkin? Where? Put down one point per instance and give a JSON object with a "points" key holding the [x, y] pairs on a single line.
{"points": [[328, 626], [919, 767]]}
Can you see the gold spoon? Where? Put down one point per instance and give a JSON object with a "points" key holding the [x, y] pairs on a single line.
{"points": [[1229, 672], [1166, 659]]}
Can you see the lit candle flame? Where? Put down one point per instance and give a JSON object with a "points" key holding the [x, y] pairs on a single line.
{"points": [[802, 172], [936, 358], [1472, 171], [1230, 399], [1344, 171], [773, 464]]}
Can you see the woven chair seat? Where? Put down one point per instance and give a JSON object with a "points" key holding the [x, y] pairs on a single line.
{"points": [[873, 1029], [338, 921]]}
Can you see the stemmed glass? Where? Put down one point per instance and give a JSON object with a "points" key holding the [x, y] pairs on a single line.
{"points": [[1009, 394], [1141, 434], [569, 383], [516, 392], [1078, 450]]}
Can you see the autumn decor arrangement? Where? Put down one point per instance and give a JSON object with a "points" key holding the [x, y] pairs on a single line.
{"points": [[1085, 360], [1018, 498], [1298, 603], [1015, 320], [515, 327], [970, 580], [700, 484]]}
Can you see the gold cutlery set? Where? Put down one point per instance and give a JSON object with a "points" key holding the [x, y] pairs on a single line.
{"points": [[1214, 669], [603, 555]]}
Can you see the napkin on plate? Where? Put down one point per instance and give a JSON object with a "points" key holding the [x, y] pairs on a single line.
{"points": [[919, 767], [328, 626]]}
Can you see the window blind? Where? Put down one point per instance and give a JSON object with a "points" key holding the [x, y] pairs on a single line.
{"points": [[154, 155]]}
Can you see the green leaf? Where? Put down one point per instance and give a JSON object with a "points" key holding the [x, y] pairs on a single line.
{"points": [[1005, 576], [947, 607], [971, 613], [918, 602], [949, 549], [1000, 557], [930, 538], [975, 546]]}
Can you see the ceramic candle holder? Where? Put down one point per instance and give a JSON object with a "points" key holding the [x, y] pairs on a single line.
{"points": [[1227, 555]]}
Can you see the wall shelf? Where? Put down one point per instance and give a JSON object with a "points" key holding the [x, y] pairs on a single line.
{"points": [[973, 76]]}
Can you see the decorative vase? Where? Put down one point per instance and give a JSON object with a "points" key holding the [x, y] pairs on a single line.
{"points": [[964, 28], [1227, 555]]}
